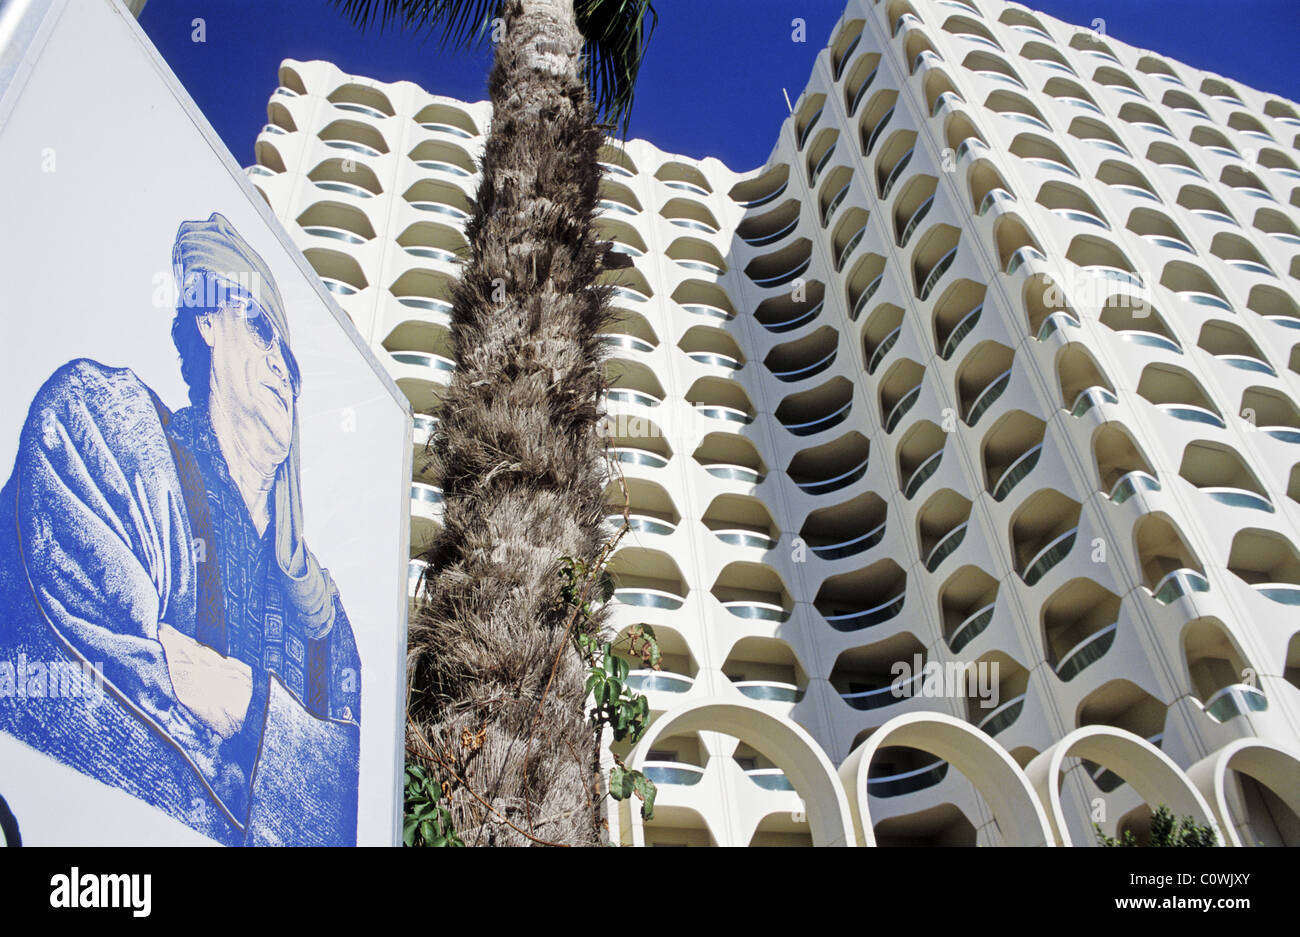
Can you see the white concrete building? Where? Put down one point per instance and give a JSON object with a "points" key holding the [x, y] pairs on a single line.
{"points": [[993, 369]]}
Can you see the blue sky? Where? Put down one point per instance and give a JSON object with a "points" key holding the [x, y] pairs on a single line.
{"points": [[712, 82]]}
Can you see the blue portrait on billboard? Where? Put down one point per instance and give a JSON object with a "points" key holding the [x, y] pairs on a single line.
{"points": [[166, 551]]}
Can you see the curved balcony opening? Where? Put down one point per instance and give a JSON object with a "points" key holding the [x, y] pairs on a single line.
{"points": [[1015, 107], [1041, 153], [821, 154], [805, 357], [753, 592], [1043, 532], [1215, 665], [881, 334], [637, 443], [860, 80], [845, 43], [622, 237], [731, 458], [1169, 567], [707, 345], [1122, 177], [354, 137], [816, 410], [982, 377], [987, 186], [1238, 253], [1278, 226], [913, 206], [706, 300], [934, 254], [762, 189], [1079, 623], [1269, 563], [863, 282], [442, 198], [443, 156], [1136, 322], [776, 829], [355, 179], [789, 311], [944, 825], [618, 198], [678, 761], [956, 313], [337, 222], [631, 382], [719, 399], [1156, 228], [648, 513], [340, 272], [900, 389], [863, 598], [831, 194], [1210, 139], [429, 240], [1223, 476], [615, 161], [765, 670], [422, 343], [1070, 203], [1184, 104], [808, 117], [1178, 394], [1097, 256], [1046, 307], [846, 529], [1271, 413], [941, 527], [892, 162], [1010, 452], [1245, 182], [1203, 203], [444, 118], [628, 331], [696, 255], [876, 115], [919, 455], [780, 267], [1275, 306], [771, 226], [676, 668], [685, 213], [427, 291], [880, 675], [897, 770], [1122, 468], [647, 579], [1077, 371], [996, 689], [849, 233], [830, 466], [741, 521], [966, 604], [683, 177], [1124, 705]]}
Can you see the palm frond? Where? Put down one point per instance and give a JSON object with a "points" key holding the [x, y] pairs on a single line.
{"points": [[616, 34]]}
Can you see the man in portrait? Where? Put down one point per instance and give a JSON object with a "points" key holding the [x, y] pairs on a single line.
{"points": [[166, 550]]}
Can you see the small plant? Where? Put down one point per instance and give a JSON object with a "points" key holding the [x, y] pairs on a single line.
{"points": [[1165, 831], [426, 821]]}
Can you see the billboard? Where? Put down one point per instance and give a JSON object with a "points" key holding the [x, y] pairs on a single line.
{"points": [[204, 511]]}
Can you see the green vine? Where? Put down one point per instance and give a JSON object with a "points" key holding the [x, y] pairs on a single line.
{"points": [[1165, 831], [426, 820]]}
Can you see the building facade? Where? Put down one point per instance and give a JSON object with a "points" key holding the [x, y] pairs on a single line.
{"points": [[961, 439]]}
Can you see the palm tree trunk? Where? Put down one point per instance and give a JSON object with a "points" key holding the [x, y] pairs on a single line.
{"points": [[520, 457]]}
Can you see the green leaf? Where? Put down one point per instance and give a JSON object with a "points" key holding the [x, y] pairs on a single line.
{"points": [[620, 787]]}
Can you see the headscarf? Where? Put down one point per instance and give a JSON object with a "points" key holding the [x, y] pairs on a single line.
{"points": [[213, 250]]}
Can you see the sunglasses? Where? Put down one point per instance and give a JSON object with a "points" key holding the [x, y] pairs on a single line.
{"points": [[263, 332]]}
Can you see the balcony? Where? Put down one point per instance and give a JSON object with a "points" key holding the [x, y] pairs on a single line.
{"points": [[606, 204], [799, 374], [764, 239], [895, 174], [746, 538], [936, 273], [423, 359], [441, 209], [945, 547], [769, 691], [658, 681], [862, 90], [740, 473], [1048, 557], [1127, 485], [715, 359], [1150, 340], [442, 307], [770, 779], [971, 628], [1239, 498], [1087, 651], [867, 293], [812, 122], [1179, 583], [923, 472], [987, 397], [347, 188], [1003, 716], [1285, 593], [1016, 471], [672, 773], [628, 395], [648, 598], [1235, 700], [704, 309], [836, 551], [1021, 257], [884, 696], [757, 611], [917, 217], [438, 127], [856, 621], [715, 412], [426, 494], [438, 165], [1191, 413], [908, 782], [1247, 363], [883, 348], [899, 410], [877, 131], [960, 331], [847, 250], [830, 209], [1090, 397], [821, 423], [642, 523]]}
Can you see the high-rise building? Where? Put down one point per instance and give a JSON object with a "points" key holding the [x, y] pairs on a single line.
{"points": [[961, 439]]}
